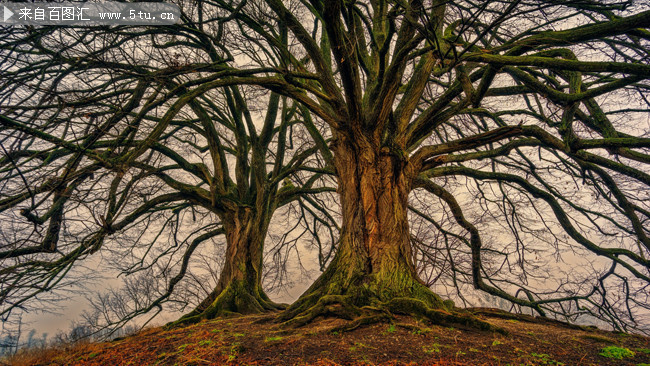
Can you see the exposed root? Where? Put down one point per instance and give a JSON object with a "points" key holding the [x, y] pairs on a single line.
{"points": [[418, 308], [341, 306], [234, 300], [364, 320], [329, 305]]}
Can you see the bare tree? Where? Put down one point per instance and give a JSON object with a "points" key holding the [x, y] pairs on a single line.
{"points": [[136, 143], [505, 116], [516, 100]]}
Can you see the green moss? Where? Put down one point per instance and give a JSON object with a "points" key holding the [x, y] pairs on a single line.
{"points": [[434, 348], [348, 292], [617, 353], [357, 346], [237, 298], [421, 331]]}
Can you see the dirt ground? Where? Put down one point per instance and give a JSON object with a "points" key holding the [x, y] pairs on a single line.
{"points": [[257, 340]]}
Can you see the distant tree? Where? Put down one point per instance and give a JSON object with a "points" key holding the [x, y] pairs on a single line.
{"points": [[10, 334], [134, 142], [30, 338], [537, 109]]}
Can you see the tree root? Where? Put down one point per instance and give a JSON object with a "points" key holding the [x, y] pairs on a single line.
{"points": [[329, 305], [418, 308], [230, 302], [341, 306]]}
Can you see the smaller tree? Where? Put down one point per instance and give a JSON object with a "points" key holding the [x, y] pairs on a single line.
{"points": [[114, 144]]}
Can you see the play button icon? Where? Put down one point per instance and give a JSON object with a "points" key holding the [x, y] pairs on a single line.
{"points": [[7, 14]]}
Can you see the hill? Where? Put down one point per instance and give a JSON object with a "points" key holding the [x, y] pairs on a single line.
{"points": [[257, 340]]}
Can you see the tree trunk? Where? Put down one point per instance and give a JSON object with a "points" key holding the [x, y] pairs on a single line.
{"points": [[374, 261], [239, 289]]}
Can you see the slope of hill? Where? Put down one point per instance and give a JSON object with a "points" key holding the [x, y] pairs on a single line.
{"points": [[257, 340]]}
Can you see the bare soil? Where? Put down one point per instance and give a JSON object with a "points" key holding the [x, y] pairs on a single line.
{"points": [[257, 340]]}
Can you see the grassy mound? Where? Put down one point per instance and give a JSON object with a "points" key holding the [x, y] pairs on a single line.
{"points": [[256, 340]]}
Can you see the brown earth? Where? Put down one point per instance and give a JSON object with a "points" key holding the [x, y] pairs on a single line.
{"points": [[257, 340]]}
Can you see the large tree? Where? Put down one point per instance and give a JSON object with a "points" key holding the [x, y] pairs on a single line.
{"points": [[133, 142], [504, 115], [516, 93]]}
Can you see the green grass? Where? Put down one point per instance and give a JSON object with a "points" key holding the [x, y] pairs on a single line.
{"points": [[617, 353], [391, 328], [357, 346], [273, 339], [420, 331], [434, 348]]}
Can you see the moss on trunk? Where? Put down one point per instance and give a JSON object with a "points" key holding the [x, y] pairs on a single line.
{"points": [[239, 290], [373, 267]]}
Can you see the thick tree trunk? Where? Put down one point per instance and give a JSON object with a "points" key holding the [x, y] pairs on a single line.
{"points": [[374, 262], [239, 289]]}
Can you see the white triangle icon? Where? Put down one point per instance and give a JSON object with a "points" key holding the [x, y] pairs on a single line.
{"points": [[8, 13]]}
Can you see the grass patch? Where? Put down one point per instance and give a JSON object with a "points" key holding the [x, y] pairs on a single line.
{"points": [[358, 345], [617, 353], [420, 331], [273, 339], [434, 348], [235, 350]]}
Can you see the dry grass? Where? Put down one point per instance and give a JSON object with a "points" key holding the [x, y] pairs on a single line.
{"points": [[252, 341]]}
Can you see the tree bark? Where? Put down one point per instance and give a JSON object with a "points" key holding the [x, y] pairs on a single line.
{"points": [[374, 263], [239, 289]]}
